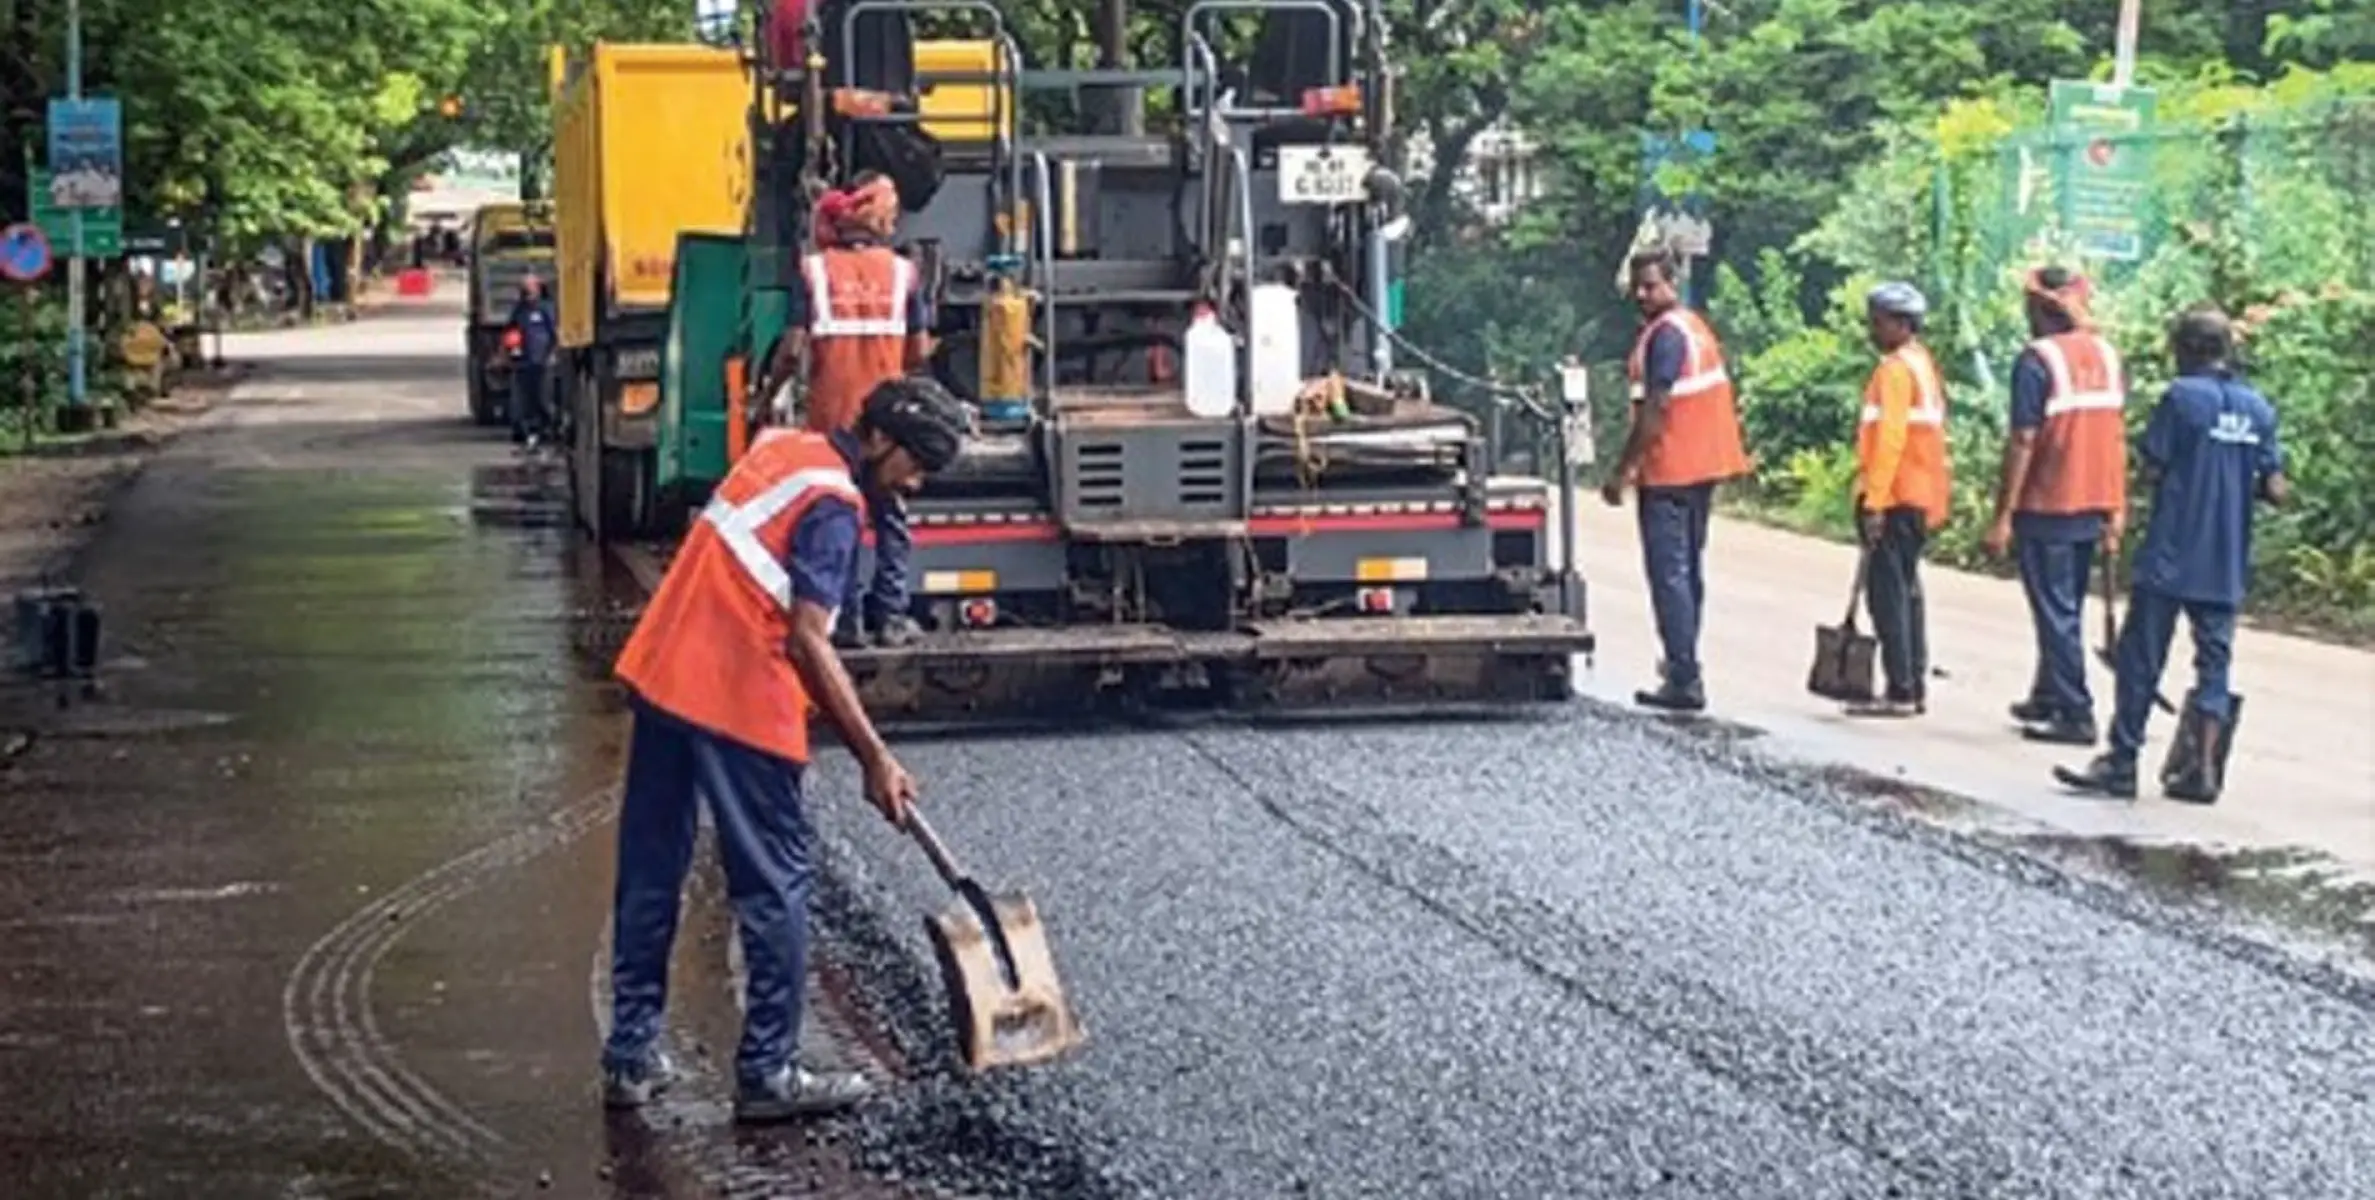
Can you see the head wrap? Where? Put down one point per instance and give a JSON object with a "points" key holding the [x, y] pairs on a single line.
{"points": [[2070, 298], [1902, 299], [869, 209]]}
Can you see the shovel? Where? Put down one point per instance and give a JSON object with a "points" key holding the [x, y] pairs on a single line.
{"points": [[2108, 653], [1003, 996]]}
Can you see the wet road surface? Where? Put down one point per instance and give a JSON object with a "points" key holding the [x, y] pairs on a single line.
{"points": [[313, 904]]}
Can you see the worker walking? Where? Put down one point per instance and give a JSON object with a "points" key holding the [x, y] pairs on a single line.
{"points": [[532, 336], [2210, 451], [2062, 493], [1901, 491], [857, 317], [721, 714], [1685, 439]]}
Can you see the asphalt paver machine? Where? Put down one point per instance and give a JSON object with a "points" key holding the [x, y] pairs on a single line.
{"points": [[1332, 537]]}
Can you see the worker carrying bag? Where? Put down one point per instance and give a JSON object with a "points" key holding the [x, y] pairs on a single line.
{"points": [[1843, 654]]}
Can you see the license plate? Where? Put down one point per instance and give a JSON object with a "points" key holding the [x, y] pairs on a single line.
{"points": [[1323, 174]]}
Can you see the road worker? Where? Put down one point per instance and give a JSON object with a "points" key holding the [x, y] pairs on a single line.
{"points": [[1685, 439], [2062, 493], [534, 332], [2209, 451], [721, 713], [858, 317], [1901, 490]]}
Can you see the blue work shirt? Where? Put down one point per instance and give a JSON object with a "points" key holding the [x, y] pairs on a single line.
{"points": [[534, 320], [824, 551], [2032, 385], [1662, 363], [2212, 443]]}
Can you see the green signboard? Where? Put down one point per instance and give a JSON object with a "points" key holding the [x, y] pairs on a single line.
{"points": [[2102, 137], [102, 228]]}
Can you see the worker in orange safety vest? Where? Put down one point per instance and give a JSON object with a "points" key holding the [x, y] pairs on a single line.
{"points": [[722, 670], [2063, 492], [1902, 487], [858, 317], [1685, 439]]}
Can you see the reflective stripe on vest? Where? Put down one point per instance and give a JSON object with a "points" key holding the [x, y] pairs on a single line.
{"points": [[2066, 397], [824, 322], [1929, 403], [1703, 369], [738, 526]]}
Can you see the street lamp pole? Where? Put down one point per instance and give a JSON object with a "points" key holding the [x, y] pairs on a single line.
{"points": [[2123, 59], [77, 377]]}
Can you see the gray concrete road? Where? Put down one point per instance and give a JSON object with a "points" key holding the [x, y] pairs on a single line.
{"points": [[313, 903]]}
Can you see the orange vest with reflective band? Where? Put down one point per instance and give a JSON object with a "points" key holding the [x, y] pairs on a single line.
{"points": [[712, 646], [2081, 460], [1700, 441], [1923, 478], [857, 329]]}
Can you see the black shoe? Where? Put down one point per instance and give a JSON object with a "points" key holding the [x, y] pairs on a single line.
{"points": [[1885, 708], [2030, 712], [847, 636], [2108, 775], [2062, 731], [897, 631], [1690, 697]]}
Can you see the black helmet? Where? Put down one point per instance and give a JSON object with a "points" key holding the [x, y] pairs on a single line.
{"points": [[921, 416]]}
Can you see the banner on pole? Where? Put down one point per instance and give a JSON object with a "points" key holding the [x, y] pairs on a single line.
{"points": [[2102, 166], [86, 152], [102, 228]]}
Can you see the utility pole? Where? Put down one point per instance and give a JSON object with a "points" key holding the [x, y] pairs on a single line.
{"points": [[2123, 60], [77, 377]]}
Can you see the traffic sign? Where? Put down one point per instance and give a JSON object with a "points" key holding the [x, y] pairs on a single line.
{"points": [[24, 253], [102, 228]]}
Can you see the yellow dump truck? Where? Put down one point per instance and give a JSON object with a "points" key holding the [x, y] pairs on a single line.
{"points": [[650, 141]]}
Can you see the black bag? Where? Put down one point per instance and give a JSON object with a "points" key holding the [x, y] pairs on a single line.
{"points": [[1843, 655]]}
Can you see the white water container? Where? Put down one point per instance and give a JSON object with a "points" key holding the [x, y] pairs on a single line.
{"points": [[1276, 332], [1209, 366]]}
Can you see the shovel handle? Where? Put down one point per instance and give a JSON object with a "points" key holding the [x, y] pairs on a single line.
{"points": [[933, 849]]}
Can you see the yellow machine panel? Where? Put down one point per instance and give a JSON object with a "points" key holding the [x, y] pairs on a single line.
{"points": [[650, 141], [962, 112]]}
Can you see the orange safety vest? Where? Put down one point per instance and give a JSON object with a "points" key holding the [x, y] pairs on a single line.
{"points": [[857, 329], [2081, 459], [1922, 478], [710, 648], [1700, 441]]}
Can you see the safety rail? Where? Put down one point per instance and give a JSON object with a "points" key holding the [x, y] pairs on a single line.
{"points": [[1043, 252], [1190, 36]]}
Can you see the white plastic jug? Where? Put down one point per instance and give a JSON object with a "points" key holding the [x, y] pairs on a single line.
{"points": [[1276, 334], [1210, 366]]}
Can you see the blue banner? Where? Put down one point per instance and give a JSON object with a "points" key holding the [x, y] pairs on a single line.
{"points": [[86, 153]]}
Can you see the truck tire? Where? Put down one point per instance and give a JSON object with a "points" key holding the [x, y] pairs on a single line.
{"points": [[482, 405]]}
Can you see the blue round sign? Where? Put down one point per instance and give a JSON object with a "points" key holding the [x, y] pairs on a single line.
{"points": [[24, 253]]}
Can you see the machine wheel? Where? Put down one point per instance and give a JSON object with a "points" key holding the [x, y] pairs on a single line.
{"points": [[482, 403]]}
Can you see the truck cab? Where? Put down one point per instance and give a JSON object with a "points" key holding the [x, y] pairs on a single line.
{"points": [[508, 243]]}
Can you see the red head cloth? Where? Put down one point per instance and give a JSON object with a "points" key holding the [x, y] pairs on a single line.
{"points": [[2071, 298]]}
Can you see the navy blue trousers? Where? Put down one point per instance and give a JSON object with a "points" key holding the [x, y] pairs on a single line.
{"points": [[528, 381], [1673, 557], [2054, 574], [764, 842], [2144, 652], [883, 592]]}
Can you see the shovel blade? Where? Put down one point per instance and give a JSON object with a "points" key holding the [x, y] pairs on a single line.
{"points": [[998, 1025]]}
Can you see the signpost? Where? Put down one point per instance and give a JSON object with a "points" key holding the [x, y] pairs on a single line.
{"points": [[102, 228], [2102, 165], [24, 258], [1680, 221]]}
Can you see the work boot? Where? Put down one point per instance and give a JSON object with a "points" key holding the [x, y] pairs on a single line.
{"points": [[2030, 712], [1887, 706], [2107, 775], [794, 1091], [898, 629], [2196, 780], [847, 635], [1687, 697], [2064, 729], [633, 1086]]}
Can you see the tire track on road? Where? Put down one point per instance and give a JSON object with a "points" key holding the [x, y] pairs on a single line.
{"points": [[326, 1006]]}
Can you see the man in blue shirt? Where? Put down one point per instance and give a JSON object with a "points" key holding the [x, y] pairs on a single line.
{"points": [[532, 318], [2211, 450]]}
